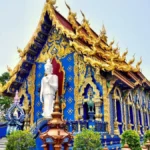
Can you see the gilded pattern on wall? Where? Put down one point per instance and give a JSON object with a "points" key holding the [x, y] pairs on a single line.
{"points": [[87, 81], [81, 70], [53, 47], [31, 90], [106, 91], [76, 84], [26, 106]]}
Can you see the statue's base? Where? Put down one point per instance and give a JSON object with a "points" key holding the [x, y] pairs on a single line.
{"points": [[91, 115]]}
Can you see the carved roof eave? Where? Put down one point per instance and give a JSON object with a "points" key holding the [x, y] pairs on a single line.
{"points": [[135, 78], [123, 79], [144, 79]]}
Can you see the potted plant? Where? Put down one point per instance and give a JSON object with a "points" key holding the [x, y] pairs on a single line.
{"points": [[132, 138], [20, 140], [87, 140]]}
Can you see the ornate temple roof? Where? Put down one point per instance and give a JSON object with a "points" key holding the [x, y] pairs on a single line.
{"points": [[95, 49]]}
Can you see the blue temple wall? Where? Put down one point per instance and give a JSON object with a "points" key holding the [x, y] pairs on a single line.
{"points": [[3, 128], [39, 73]]}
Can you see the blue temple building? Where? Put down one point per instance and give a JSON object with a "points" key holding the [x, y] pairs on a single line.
{"points": [[86, 64]]}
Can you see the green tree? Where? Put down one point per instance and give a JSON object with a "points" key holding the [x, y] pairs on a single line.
{"points": [[5, 101], [132, 138], [87, 140], [20, 140], [147, 136], [4, 78]]}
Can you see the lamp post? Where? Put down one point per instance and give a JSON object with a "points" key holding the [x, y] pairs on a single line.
{"points": [[56, 134]]}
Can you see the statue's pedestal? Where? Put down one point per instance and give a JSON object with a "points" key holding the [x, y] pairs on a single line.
{"points": [[91, 124], [91, 115]]}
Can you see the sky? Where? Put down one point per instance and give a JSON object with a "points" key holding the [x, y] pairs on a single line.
{"points": [[126, 21]]}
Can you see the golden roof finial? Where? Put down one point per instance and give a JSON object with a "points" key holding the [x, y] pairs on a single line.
{"points": [[83, 15], [132, 60], [21, 52], [103, 34], [51, 2], [112, 42], [116, 50], [103, 31], [139, 63], [123, 57], [72, 17], [9, 69], [85, 21], [68, 7]]}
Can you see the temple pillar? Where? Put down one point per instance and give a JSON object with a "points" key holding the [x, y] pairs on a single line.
{"points": [[116, 130], [135, 118], [106, 93], [98, 113], [142, 121], [129, 126], [122, 114], [124, 117], [80, 106], [138, 118]]}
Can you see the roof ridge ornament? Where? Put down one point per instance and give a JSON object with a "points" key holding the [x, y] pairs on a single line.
{"points": [[51, 2], [103, 34], [132, 60]]}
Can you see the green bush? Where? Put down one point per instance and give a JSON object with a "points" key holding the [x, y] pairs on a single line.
{"points": [[147, 136], [132, 138], [20, 140], [87, 140]]}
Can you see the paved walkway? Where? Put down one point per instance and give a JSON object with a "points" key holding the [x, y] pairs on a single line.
{"points": [[2, 143]]}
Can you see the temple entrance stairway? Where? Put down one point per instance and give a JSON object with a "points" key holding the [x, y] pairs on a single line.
{"points": [[3, 142]]}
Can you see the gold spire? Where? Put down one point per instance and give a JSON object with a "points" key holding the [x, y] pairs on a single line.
{"points": [[138, 66], [132, 60], [116, 50], [124, 54], [21, 52], [103, 34], [112, 42], [51, 2], [72, 17]]}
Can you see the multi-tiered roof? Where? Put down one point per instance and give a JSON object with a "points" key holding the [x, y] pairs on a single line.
{"points": [[94, 48]]}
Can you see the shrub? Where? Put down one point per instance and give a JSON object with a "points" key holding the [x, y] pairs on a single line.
{"points": [[132, 138], [20, 140], [87, 140], [147, 136]]}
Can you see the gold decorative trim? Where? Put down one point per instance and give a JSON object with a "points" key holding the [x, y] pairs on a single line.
{"points": [[89, 81], [76, 85], [115, 96], [31, 90]]}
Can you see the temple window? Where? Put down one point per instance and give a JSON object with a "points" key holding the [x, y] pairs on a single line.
{"points": [[118, 116]]}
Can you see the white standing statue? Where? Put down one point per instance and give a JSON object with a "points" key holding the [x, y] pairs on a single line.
{"points": [[49, 87]]}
